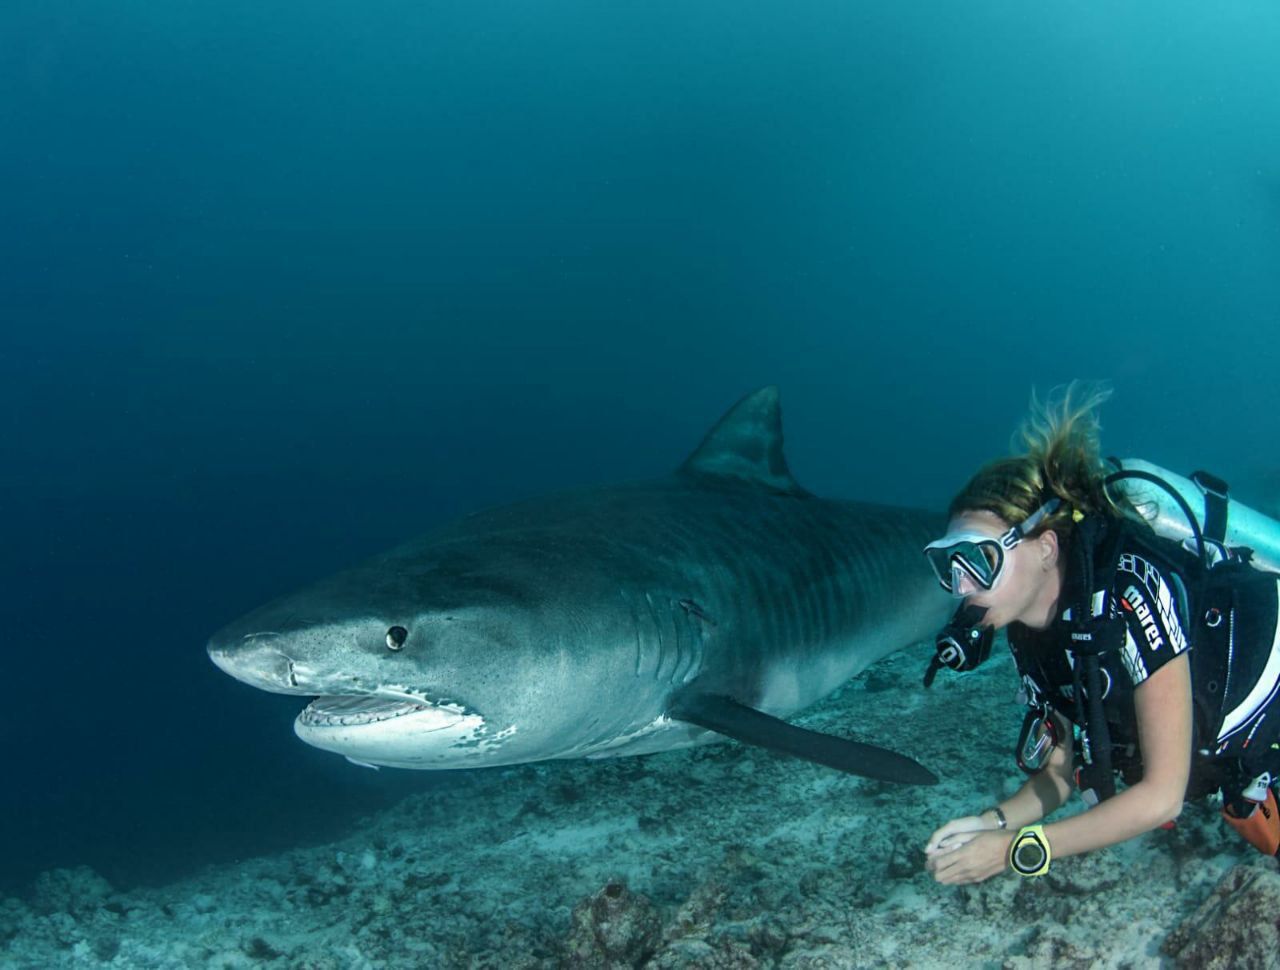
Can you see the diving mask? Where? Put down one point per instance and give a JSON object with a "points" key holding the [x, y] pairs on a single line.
{"points": [[980, 557]]}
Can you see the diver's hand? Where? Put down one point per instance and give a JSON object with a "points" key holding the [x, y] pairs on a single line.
{"points": [[954, 834], [982, 856]]}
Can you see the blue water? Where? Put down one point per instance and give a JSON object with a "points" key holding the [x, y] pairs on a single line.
{"points": [[282, 284]]}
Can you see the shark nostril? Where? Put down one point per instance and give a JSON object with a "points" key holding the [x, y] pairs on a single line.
{"points": [[257, 659]]}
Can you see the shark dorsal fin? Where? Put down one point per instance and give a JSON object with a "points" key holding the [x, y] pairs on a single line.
{"points": [[746, 446]]}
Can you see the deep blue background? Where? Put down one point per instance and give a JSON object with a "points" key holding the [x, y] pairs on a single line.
{"points": [[282, 284]]}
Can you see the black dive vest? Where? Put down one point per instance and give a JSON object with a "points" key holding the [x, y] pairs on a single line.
{"points": [[1228, 615]]}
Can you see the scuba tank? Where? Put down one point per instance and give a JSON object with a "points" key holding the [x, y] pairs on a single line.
{"points": [[1186, 509], [1226, 536]]}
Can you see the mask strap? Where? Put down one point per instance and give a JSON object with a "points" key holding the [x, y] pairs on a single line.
{"points": [[1016, 534]]}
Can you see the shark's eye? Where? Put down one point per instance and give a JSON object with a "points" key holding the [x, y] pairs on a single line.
{"points": [[396, 637]]}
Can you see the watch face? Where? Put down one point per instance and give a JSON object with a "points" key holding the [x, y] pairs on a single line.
{"points": [[1028, 855]]}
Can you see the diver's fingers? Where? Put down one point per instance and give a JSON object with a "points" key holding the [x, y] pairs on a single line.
{"points": [[949, 843], [941, 834], [939, 838], [967, 825]]}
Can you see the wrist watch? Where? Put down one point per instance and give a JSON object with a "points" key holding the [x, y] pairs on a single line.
{"points": [[1029, 855]]}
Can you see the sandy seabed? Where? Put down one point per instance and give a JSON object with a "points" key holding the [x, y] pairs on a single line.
{"points": [[720, 857]]}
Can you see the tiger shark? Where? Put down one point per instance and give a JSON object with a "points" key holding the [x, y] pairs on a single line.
{"points": [[608, 621]]}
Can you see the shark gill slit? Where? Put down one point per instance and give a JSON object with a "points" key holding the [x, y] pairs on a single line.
{"points": [[685, 639], [678, 638], [635, 629], [692, 625], [697, 635], [659, 641]]}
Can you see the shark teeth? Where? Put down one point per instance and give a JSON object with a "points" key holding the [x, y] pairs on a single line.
{"points": [[357, 709]]}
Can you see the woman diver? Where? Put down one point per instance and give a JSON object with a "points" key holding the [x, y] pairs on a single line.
{"points": [[1138, 656]]}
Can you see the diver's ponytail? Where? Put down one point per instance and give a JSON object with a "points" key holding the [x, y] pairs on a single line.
{"points": [[1062, 434], [1062, 459]]}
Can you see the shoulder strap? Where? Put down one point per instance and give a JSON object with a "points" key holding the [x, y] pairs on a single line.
{"points": [[1214, 490], [1094, 632]]}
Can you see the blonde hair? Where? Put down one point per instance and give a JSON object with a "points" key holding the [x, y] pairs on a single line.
{"points": [[1062, 459]]}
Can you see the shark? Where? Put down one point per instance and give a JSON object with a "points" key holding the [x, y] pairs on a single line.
{"points": [[606, 621]]}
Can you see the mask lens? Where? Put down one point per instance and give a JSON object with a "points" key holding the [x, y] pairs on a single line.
{"points": [[941, 563], [991, 553], [980, 559]]}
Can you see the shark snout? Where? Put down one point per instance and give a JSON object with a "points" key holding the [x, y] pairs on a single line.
{"points": [[256, 660]]}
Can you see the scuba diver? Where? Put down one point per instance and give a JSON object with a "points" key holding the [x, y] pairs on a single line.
{"points": [[1141, 657]]}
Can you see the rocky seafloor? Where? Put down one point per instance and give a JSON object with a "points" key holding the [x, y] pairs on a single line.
{"points": [[720, 857]]}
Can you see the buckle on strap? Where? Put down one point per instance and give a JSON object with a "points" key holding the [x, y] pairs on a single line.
{"points": [[1214, 490]]}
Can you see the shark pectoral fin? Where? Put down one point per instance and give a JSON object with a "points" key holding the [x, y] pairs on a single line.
{"points": [[726, 716]]}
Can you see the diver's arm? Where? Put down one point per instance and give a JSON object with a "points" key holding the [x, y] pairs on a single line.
{"points": [[1045, 791], [1163, 706]]}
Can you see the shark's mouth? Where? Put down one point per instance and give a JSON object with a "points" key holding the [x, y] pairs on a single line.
{"points": [[352, 710], [359, 710], [388, 729]]}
